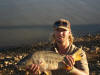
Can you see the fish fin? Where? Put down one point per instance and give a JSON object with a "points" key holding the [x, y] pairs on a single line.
{"points": [[77, 55], [48, 72]]}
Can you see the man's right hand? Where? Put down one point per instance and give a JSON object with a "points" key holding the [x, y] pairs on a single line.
{"points": [[33, 68]]}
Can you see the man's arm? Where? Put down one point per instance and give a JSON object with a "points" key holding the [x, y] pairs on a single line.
{"points": [[76, 71], [80, 67]]}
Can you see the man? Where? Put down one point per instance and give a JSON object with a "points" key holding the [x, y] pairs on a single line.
{"points": [[63, 44]]}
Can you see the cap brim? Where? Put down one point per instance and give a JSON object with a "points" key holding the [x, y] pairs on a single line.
{"points": [[62, 27]]}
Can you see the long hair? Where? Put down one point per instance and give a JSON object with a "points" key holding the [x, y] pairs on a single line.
{"points": [[71, 38]]}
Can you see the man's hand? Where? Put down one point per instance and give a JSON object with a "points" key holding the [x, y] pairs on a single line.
{"points": [[69, 62], [33, 68]]}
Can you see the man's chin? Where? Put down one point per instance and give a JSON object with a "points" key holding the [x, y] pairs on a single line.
{"points": [[59, 41]]}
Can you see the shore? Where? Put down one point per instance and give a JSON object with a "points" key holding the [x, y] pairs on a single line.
{"points": [[90, 44]]}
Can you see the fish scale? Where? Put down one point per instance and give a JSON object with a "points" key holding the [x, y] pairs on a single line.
{"points": [[47, 60]]}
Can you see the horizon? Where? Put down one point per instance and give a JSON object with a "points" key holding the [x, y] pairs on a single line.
{"points": [[20, 35], [20, 20]]}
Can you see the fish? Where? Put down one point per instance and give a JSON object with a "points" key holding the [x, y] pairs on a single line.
{"points": [[47, 60]]}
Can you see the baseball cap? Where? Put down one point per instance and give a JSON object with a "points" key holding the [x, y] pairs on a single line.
{"points": [[62, 23]]}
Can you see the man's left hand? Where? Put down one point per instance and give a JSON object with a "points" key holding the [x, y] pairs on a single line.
{"points": [[69, 62]]}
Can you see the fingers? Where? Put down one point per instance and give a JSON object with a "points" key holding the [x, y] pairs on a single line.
{"points": [[33, 68], [70, 61]]}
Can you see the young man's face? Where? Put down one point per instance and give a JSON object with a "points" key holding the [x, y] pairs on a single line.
{"points": [[61, 35]]}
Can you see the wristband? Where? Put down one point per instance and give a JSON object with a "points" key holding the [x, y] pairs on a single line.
{"points": [[71, 71], [68, 68]]}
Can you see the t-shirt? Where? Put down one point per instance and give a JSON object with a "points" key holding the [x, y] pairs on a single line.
{"points": [[81, 64]]}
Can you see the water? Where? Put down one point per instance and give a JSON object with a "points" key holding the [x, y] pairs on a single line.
{"points": [[23, 21], [26, 35], [15, 36]]}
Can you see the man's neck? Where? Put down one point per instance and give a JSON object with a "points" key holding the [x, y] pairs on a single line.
{"points": [[63, 47]]}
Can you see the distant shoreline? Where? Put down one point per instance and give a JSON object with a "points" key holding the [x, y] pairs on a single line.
{"points": [[12, 36]]}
